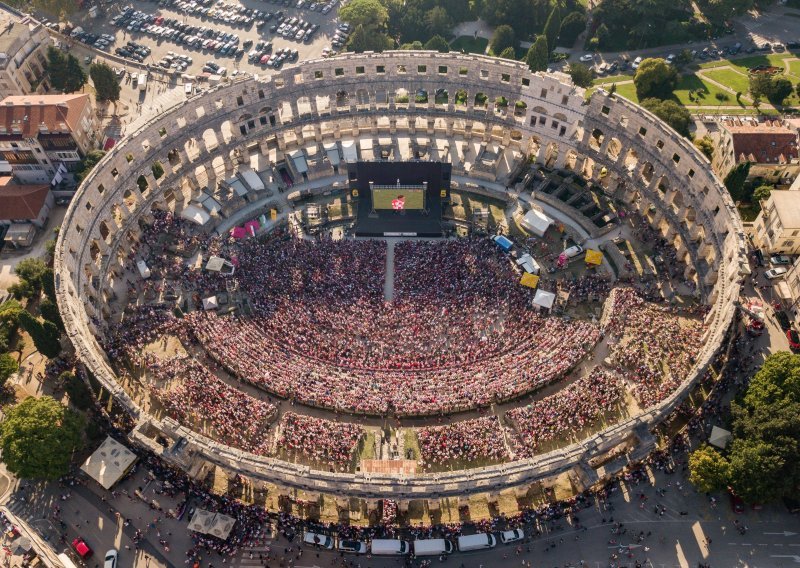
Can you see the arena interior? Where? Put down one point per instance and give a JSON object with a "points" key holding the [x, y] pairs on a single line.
{"points": [[330, 366]]}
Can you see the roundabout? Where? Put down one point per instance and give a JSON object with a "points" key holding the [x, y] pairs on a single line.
{"points": [[399, 368]]}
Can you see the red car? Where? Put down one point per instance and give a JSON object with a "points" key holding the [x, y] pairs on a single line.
{"points": [[736, 503], [81, 548]]}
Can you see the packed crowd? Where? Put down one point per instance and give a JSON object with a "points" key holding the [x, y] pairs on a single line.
{"points": [[192, 394], [652, 347], [323, 441], [573, 408], [464, 441]]}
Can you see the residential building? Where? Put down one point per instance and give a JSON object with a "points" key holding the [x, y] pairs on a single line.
{"points": [[23, 210], [45, 137], [23, 52], [770, 146], [777, 227]]}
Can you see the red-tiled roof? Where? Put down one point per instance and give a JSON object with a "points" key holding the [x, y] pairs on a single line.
{"points": [[762, 142], [27, 114], [21, 201]]}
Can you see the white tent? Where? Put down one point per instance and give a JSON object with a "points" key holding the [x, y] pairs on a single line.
{"points": [[719, 437], [536, 222], [195, 214], [210, 303], [251, 179], [109, 463], [144, 271], [544, 299], [349, 151], [528, 264], [215, 524], [218, 264]]}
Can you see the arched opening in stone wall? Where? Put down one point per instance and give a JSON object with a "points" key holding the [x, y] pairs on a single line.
{"points": [[551, 155], [571, 161], [647, 173], [614, 148], [631, 161], [596, 139]]}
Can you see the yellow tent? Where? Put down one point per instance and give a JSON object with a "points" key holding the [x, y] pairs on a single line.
{"points": [[594, 257], [529, 280]]}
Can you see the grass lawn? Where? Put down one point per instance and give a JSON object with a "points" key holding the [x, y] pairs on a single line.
{"points": [[692, 82], [794, 69], [612, 79], [731, 78], [745, 63], [469, 44], [628, 90]]}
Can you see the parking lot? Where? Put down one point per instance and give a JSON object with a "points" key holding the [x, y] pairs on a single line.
{"points": [[185, 36]]}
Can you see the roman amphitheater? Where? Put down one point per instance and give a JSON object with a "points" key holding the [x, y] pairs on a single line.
{"points": [[231, 372]]}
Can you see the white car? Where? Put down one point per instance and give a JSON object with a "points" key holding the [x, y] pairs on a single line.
{"points": [[587, 57], [512, 536], [355, 546], [573, 251], [111, 559], [776, 272], [320, 540]]}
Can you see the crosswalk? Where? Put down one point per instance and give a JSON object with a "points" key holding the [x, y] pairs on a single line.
{"points": [[251, 557]]}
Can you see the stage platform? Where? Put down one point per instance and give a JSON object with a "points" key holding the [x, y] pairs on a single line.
{"points": [[408, 222]]}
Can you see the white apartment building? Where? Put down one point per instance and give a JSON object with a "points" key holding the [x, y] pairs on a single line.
{"points": [[777, 227], [23, 49]]}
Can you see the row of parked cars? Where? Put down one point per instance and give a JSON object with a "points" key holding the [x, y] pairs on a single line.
{"points": [[311, 5], [133, 50], [423, 547], [262, 55], [295, 29], [99, 41], [229, 13]]}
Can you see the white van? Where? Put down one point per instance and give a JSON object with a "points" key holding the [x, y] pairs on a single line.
{"points": [[432, 547], [476, 542], [573, 251], [321, 540], [390, 547]]}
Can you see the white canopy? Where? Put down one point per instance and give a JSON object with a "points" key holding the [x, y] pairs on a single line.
{"points": [[215, 524], [528, 264], [349, 152], [210, 303], [195, 214], [544, 299], [218, 264], [719, 437], [299, 161], [536, 222], [251, 179], [144, 271], [109, 463]]}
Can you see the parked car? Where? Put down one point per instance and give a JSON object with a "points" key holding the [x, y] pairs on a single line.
{"points": [[355, 546], [737, 505], [776, 272], [83, 549], [111, 559], [587, 57], [780, 259], [512, 536]]}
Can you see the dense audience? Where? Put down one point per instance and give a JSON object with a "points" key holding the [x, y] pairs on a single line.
{"points": [[570, 410], [193, 395], [320, 440], [651, 346], [464, 441]]}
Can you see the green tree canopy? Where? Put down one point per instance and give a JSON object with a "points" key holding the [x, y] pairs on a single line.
{"points": [[65, 71], [89, 162], [774, 89], [79, 394], [8, 366], [59, 8], [49, 311], [706, 146], [672, 113], [538, 54], [368, 13], [708, 470], [438, 43], [502, 38], [735, 179], [762, 192], [105, 82], [655, 78], [718, 11], [581, 74], [552, 27], [38, 438], [363, 39], [571, 27], [508, 53], [32, 270], [438, 21], [48, 284], [522, 15], [45, 335]]}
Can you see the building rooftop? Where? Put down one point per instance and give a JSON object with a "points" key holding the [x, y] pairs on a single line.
{"points": [[31, 115], [762, 142], [787, 207], [18, 202], [13, 35]]}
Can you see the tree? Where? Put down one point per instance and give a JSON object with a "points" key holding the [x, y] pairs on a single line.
{"points": [[775, 90], [363, 39], [672, 113], [74, 76], [8, 366], [537, 55], [88, 163], [502, 38], [571, 27], [581, 74], [31, 269], [508, 53], [655, 78], [706, 146], [762, 192], [49, 311], [79, 394], [59, 8], [158, 169], [105, 82], [781, 89], [38, 438], [48, 284], [45, 335], [708, 470], [438, 43], [438, 21], [552, 27], [368, 13], [735, 179], [56, 66]]}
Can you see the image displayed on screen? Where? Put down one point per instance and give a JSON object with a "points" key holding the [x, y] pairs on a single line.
{"points": [[398, 198]]}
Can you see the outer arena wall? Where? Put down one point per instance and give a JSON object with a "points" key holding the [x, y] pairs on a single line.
{"points": [[669, 179]]}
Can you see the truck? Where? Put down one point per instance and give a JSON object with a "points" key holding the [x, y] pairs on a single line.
{"points": [[142, 82]]}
